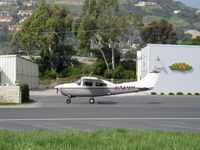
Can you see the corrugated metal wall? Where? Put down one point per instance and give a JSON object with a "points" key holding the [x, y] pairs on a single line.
{"points": [[8, 69], [18, 70], [27, 72]]}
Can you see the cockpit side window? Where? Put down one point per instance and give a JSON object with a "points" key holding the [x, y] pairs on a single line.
{"points": [[88, 83], [100, 84]]}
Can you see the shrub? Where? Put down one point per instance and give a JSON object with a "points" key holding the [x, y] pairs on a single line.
{"points": [[108, 74], [118, 72], [64, 73], [128, 74], [170, 93], [50, 74], [162, 93], [72, 71], [153, 93], [189, 94], [24, 92], [86, 69], [179, 93], [128, 64], [99, 68], [196, 94]]}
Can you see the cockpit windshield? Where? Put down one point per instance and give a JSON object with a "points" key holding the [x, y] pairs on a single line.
{"points": [[78, 81]]}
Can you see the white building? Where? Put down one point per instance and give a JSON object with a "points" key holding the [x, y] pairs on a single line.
{"points": [[14, 27], [30, 3], [22, 20], [8, 2], [177, 79], [25, 12], [15, 69], [6, 19], [5, 14], [143, 4], [177, 12], [194, 33], [198, 12]]}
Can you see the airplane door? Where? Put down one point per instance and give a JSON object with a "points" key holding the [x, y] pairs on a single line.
{"points": [[101, 88]]}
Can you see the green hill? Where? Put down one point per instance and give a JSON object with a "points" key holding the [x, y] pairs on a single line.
{"points": [[177, 13], [181, 16]]}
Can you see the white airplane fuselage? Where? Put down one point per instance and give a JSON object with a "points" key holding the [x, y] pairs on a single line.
{"points": [[93, 87], [92, 91]]}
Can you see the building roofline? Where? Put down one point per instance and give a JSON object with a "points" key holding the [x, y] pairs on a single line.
{"points": [[173, 45], [15, 55]]}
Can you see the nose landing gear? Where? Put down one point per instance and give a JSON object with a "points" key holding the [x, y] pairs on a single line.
{"points": [[68, 101], [91, 100]]}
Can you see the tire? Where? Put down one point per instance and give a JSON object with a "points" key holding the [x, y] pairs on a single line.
{"points": [[91, 101], [68, 101]]}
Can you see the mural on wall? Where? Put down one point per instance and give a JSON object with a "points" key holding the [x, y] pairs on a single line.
{"points": [[180, 66]]}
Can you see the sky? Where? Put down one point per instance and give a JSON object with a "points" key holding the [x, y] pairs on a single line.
{"points": [[192, 3]]}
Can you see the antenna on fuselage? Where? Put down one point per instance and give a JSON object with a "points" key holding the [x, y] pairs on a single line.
{"points": [[90, 73]]}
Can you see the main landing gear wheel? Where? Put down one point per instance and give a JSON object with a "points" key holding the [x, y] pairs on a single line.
{"points": [[68, 101], [91, 100]]}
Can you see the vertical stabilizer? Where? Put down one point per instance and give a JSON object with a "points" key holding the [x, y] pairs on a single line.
{"points": [[149, 80]]}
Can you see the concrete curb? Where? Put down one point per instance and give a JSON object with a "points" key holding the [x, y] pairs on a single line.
{"points": [[44, 92], [22, 106]]}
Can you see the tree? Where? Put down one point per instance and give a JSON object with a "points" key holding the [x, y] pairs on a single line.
{"points": [[158, 33], [4, 32], [100, 27], [111, 29], [46, 30], [86, 31], [195, 41], [98, 7], [92, 11]]}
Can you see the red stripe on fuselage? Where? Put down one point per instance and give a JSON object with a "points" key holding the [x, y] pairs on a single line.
{"points": [[80, 88], [93, 88]]}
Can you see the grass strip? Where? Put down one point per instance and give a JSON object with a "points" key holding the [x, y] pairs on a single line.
{"points": [[118, 139], [8, 104]]}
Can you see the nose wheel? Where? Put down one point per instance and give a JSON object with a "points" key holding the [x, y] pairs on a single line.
{"points": [[68, 101], [91, 100]]}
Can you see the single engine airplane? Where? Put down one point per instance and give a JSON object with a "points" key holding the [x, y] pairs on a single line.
{"points": [[93, 87]]}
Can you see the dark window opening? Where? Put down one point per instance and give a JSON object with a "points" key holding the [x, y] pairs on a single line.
{"points": [[100, 84], [87, 83]]}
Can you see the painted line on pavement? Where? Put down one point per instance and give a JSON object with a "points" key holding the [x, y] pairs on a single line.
{"points": [[90, 119]]}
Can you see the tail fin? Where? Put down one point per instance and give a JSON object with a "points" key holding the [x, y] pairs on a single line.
{"points": [[149, 81]]}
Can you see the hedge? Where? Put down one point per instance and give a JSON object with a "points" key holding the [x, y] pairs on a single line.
{"points": [[24, 92]]}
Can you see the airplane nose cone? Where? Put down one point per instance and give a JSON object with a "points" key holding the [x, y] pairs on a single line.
{"points": [[56, 87]]}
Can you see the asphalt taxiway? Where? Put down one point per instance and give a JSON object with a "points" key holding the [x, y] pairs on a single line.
{"points": [[172, 113]]}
